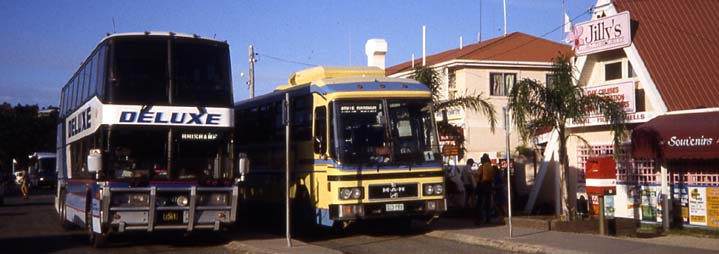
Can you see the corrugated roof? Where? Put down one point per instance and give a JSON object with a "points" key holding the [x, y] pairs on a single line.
{"points": [[677, 40], [513, 47]]}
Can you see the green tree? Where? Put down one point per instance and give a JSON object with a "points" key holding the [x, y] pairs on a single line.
{"points": [[475, 102], [22, 132], [535, 106]]}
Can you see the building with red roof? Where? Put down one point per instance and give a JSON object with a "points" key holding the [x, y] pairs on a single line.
{"points": [[491, 68], [666, 75]]}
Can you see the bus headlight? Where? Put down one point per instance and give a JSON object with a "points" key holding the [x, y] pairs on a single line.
{"points": [[131, 199], [433, 189], [182, 200], [351, 193], [213, 199]]}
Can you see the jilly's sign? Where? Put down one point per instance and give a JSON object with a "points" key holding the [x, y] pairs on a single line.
{"points": [[603, 34]]}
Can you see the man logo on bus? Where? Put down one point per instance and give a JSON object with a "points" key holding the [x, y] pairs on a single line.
{"points": [[174, 118]]}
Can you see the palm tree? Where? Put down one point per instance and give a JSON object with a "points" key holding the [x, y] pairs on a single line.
{"points": [[475, 102], [535, 106]]}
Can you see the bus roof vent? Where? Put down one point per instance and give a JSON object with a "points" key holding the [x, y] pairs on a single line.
{"points": [[328, 72]]}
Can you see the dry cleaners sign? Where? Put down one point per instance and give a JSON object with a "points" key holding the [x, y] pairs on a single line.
{"points": [[603, 34]]}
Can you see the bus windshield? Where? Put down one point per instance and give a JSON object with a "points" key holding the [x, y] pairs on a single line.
{"points": [[200, 72], [386, 132], [46, 165], [195, 154]]}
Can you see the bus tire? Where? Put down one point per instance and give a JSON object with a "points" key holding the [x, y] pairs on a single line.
{"points": [[62, 213], [96, 240], [304, 213]]}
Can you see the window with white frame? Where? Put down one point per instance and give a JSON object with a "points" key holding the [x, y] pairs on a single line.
{"points": [[501, 83], [451, 85]]}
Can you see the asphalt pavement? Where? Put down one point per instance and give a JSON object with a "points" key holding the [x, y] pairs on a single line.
{"points": [[31, 226]]}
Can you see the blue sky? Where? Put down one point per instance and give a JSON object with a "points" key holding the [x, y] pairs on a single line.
{"points": [[43, 42]]}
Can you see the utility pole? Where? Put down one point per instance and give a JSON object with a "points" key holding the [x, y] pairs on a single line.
{"points": [[287, 120], [507, 129], [252, 71]]}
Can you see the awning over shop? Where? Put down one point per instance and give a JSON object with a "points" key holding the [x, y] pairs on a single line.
{"points": [[678, 136]]}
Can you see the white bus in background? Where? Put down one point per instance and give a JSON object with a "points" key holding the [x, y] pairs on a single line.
{"points": [[42, 171]]}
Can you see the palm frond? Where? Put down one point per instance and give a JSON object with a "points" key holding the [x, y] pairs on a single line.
{"points": [[475, 102]]}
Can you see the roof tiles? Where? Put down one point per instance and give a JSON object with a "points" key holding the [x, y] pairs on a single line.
{"points": [[677, 40], [516, 46]]}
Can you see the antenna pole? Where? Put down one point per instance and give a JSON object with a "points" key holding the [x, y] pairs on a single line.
{"points": [[252, 71], [504, 4]]}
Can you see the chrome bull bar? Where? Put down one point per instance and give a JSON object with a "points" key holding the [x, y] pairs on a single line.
{"points": [[190, 217]]}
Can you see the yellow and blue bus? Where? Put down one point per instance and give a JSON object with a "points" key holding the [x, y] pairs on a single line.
{"points": [[363, 146], [145, 137]]}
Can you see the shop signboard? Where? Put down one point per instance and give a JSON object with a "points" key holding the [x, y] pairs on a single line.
{"points": [[697, 206], [649, 203], [712, 207], [681, 198], [450, 150], [609, 206], [603, 34], [622, 92]]}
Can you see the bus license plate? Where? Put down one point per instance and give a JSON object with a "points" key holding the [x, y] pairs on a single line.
{"points": [[394, 207], [170, 216]]}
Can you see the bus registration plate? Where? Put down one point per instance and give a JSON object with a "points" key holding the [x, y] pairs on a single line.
{"points": [[394, 207], [170, 217]]}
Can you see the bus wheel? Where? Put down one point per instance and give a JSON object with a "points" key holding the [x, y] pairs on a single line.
{"points": [[97, 240], [304, 213], [62, 213]]}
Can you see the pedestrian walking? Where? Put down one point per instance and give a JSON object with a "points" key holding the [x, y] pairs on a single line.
{"points": [[499, 191], [23, 185], [469, 183], [485, 176]]}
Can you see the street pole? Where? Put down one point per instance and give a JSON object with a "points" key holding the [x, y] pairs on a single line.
{"points": [[252, 71], [507, 128], [665, 199], [287, 168], [602, 219]]}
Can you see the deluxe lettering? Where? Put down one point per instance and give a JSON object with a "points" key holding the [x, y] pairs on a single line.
{"points": [[174, 118], [80, 122]]}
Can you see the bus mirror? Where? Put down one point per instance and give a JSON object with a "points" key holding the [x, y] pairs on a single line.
{"points": [[243, 165], [318, 145], [94, 161]]}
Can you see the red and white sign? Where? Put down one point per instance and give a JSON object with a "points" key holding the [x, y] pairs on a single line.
{"points": [[602, 34], [622, 92], [601, 175]]}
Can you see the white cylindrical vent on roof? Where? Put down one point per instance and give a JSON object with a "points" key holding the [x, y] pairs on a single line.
{"points": [[376, 50]]}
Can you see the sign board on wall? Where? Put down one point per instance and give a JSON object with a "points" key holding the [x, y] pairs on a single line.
{"points": [[602, 34], [712, 207], [622, 92], [697, 206]]}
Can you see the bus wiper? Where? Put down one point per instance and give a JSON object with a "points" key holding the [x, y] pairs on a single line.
{"points": [[146, 107], [202, 109]]}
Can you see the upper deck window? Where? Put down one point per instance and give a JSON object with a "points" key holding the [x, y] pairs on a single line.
{"points": [[140, 68], [202, 73]]}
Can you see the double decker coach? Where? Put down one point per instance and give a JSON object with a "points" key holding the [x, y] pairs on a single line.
{"points": [[363, 147], [145, 137]]}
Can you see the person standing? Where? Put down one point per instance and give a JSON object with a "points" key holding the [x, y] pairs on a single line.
{"points": [[469, 183], [485, 177], [23, 185]]}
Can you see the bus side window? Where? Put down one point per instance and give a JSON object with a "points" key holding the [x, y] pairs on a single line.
{"points": [[320, 135]]}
